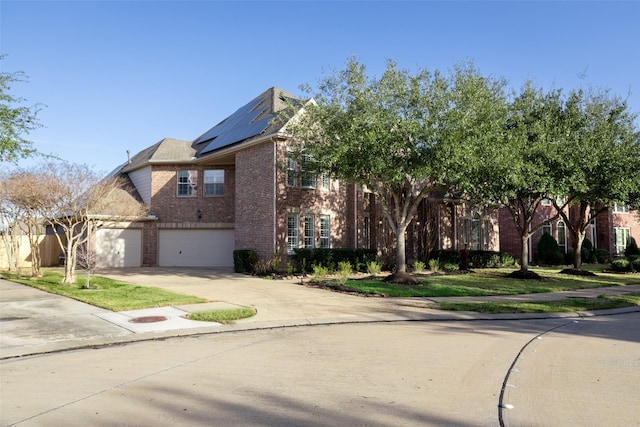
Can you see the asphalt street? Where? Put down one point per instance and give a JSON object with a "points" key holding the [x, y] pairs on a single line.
{"points": [[312, 358]]}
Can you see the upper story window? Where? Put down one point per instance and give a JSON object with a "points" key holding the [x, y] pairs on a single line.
{"points": [[214, 182], [187, 183], [558, 199], [307, 179], [326, 181], [302, 174], [620, 208]]}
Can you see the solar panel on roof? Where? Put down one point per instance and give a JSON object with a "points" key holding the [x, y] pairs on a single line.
{"points": [[237, 127], [237, 135]]}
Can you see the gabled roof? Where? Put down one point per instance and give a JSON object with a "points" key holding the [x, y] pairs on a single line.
{"points": [[253, 119], [168, 150]]}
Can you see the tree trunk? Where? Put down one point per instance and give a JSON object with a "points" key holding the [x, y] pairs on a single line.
{"points": [[401, 261], [524, 257], [70, 264], [577, 248]]}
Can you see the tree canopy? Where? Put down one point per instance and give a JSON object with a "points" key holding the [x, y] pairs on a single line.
{"points": [[16, 120], [390, 134]]}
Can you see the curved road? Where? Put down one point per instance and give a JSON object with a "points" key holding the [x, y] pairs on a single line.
{"points": [[557, 372]]}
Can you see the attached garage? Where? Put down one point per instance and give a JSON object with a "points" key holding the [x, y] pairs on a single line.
{"points": [[196, 248], [118, 247]]}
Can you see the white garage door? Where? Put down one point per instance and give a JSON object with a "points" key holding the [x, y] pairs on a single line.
{"points": [[196, 248], [117, 247]]}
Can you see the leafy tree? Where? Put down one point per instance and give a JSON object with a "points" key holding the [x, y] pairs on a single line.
{"points": [[512, 166], [598, 158], [383, 133], [75, 202], [16, 120]]}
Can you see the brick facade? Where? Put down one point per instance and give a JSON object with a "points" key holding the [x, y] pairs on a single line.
{"points": [[255, 199], [601, 236]]}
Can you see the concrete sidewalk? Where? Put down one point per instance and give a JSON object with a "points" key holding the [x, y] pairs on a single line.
{"points": [[35, 322]]}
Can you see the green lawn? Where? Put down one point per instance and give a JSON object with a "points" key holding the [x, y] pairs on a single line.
{"points": [[223, 316], [107, 293], [564, 305], [485, 282]]}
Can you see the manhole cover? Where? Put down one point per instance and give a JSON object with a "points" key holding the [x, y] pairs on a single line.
{"points": [[148, 319]]}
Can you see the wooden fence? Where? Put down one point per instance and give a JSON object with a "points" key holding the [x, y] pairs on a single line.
{"points": [[49, 252]]}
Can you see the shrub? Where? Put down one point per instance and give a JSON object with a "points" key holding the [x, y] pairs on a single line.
{"points": [[621, 265], [419, 266], [631, 249], [319, 273], [434, 265], [587, 253], [358, 257], [506, 260], [477, 258], [635, 265], [344, 271], [374, 267], [304, 256], [450, 266], [602, 256], [446, 256], [262, 267], [548, 251], [290, 268], [568, 257], [243, 260]]}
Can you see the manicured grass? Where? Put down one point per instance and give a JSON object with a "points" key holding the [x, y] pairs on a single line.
{"points": [[223, 316], [565, 305], [485, 282], [107, 293]]}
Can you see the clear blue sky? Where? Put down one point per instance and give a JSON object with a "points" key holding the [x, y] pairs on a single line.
{"points": [[121, 75]]}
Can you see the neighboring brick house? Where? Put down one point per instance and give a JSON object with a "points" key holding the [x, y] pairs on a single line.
{"points": [[234, 187], [611, 231]]}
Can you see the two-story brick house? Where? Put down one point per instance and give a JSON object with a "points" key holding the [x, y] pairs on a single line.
{"points": [[611, 231], [235, 187]]}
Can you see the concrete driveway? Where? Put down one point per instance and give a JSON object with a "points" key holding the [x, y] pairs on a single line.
{"points": [[35, 322]]}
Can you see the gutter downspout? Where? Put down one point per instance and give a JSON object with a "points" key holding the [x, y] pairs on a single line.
{"points": [[275, 192], [355, 216]]}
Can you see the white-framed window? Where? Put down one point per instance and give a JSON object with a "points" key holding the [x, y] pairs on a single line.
{"points": [[307, 178], [547, 229], [309, 232], [187, 183], [562, 236], [621, 236], [325, 231], [620, 208], [326, 181], [546, 202], [291, 172], [485, 235], [214, 182], [292, 233]]}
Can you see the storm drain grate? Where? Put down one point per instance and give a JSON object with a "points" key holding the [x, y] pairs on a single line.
{"points": [[148, 319]]}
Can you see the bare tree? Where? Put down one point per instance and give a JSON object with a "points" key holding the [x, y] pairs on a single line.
{"points": [[18, 211], [76, 202], [8, 226]]}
